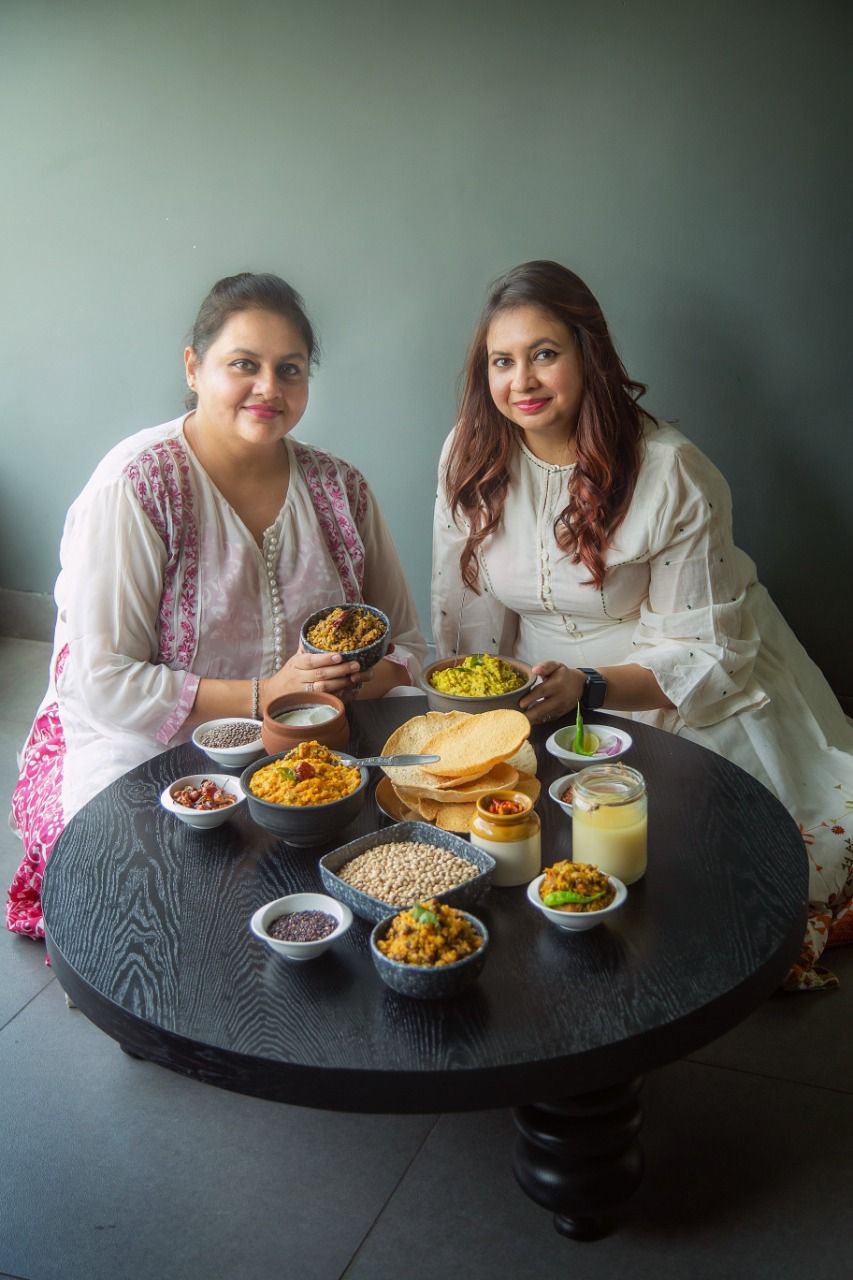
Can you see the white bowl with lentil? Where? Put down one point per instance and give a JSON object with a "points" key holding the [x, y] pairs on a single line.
{"points": [[301, 926], [390, 869], [232, 741], [357, 621], [203, 806], [576, 921]]}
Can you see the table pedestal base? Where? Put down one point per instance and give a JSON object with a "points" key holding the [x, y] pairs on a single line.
{"points": [[580, 1157]]}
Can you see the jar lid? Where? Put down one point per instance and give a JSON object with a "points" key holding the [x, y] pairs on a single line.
{"points": [[614, 783]]}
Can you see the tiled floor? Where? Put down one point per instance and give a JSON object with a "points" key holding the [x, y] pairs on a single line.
{"points": [[113, 1169]]}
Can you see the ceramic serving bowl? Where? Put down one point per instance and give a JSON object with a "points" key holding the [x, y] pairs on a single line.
{"points": [[304, 825], [559, 789], [230, 757], [266, 915], [367, 656], [279, 736], [613, 743], [577, 921], [369, 908], [428, 982], [438, 701], [202, 819]]}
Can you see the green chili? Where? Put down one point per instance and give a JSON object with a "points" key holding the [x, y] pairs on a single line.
{"points": [[560, 897], [422, 915]]}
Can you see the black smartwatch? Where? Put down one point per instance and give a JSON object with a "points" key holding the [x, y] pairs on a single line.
{"points": [[594, 690]]}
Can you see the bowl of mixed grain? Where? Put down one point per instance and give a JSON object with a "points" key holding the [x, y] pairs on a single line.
{"points": [[232, 741], [359, 632], [409, 862], [430, 950]]}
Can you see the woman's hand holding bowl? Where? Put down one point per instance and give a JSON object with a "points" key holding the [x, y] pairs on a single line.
{"points": [[315, 673], [558, 693]]}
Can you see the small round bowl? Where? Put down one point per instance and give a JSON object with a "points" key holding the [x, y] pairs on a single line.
{"points": [[438, 701], [367, 656], [617, 740], [264, 917], [304, 825], [428, 982], [230, 757], [557, 790], [577, 921], [203, 819], [332, 733]]}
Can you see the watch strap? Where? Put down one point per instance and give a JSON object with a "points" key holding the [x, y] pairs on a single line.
{"points": [[594, 690]]}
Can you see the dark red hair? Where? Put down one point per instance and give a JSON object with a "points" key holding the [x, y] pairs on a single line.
{"points": [[608, 437]]}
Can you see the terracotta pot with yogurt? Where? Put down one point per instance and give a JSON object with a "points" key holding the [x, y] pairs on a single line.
{"points": [[305, 717]]}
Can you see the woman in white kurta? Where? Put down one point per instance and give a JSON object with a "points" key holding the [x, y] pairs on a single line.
{"points": [[189, 563], [674, 619]]}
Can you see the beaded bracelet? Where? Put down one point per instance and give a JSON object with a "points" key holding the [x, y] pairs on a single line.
{"points": [[256, 698]]}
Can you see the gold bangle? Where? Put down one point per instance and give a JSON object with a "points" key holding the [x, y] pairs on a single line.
{"points": [[256, 698]]}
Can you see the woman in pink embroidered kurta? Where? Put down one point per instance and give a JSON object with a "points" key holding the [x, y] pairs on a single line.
{"points": [[189, 563]]}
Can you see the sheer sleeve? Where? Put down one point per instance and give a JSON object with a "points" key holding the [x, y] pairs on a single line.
{"points": [[462, 620], [695, 632], [113, 563], [385, 586]]}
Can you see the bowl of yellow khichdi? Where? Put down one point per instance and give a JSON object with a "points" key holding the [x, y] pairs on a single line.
{"points": [[477, 682]]}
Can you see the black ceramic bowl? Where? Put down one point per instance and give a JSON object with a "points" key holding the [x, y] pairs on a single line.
{"points": [[428, 982], [366, 657], [369, 908], [304, 824]]}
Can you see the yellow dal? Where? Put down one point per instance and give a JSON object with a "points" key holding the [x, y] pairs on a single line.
{"points": [[332, 778], [478, 679]]}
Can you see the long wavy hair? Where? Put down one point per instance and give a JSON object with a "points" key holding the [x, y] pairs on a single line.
{"points": [[608, 437]]}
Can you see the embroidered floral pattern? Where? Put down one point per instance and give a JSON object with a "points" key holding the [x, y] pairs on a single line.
{"points": [[161, 481], [339, 494], [830, 924], [38, 815]]}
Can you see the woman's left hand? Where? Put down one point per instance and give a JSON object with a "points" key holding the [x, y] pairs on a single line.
{"points": [[558, 693]]}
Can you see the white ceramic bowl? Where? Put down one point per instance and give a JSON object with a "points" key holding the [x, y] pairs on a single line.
{"points": [[230, 757], [617, 740], [264, 917], [203, 819], [557, 790], [577, 921]]}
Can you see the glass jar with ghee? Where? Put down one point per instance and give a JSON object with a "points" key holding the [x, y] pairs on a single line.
{"points": [[505, 826], [609, 820]]}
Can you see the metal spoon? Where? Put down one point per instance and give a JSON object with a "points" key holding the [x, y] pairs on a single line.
{"points": [[391, 761]]}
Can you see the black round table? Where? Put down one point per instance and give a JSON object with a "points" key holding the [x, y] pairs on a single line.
{"points": [[147, 930]]}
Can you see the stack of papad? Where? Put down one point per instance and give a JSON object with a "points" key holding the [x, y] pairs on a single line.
{"points": [[488, 752]]}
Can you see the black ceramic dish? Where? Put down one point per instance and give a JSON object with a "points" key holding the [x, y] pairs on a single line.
{"points": [[307, 824], [369, 908], [428, 982], [366, 657]]}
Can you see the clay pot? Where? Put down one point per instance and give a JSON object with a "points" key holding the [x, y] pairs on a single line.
{"points": [[333, 732]]}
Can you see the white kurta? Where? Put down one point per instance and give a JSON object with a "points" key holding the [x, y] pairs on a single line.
{"points": [[678, 598]]}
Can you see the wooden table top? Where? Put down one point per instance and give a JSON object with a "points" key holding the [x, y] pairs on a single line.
{"points": [[147, 929]]}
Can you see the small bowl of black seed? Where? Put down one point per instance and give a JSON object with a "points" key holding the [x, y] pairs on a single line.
{"points": [[301, 926], [233, 741]]}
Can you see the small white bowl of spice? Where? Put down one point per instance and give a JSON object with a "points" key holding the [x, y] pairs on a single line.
{"points": [[301, 926], [233, 741]]}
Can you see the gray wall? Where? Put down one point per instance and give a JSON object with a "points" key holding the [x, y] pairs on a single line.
{"points": [[390, 159]]}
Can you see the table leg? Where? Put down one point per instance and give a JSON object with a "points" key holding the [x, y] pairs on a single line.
{"points": [[580, 1157]]}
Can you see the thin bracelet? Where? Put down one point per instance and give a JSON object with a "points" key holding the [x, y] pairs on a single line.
{"points": [[256, 698]]}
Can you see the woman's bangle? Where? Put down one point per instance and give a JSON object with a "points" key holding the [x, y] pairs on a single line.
{"points": [[256, 698]]}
